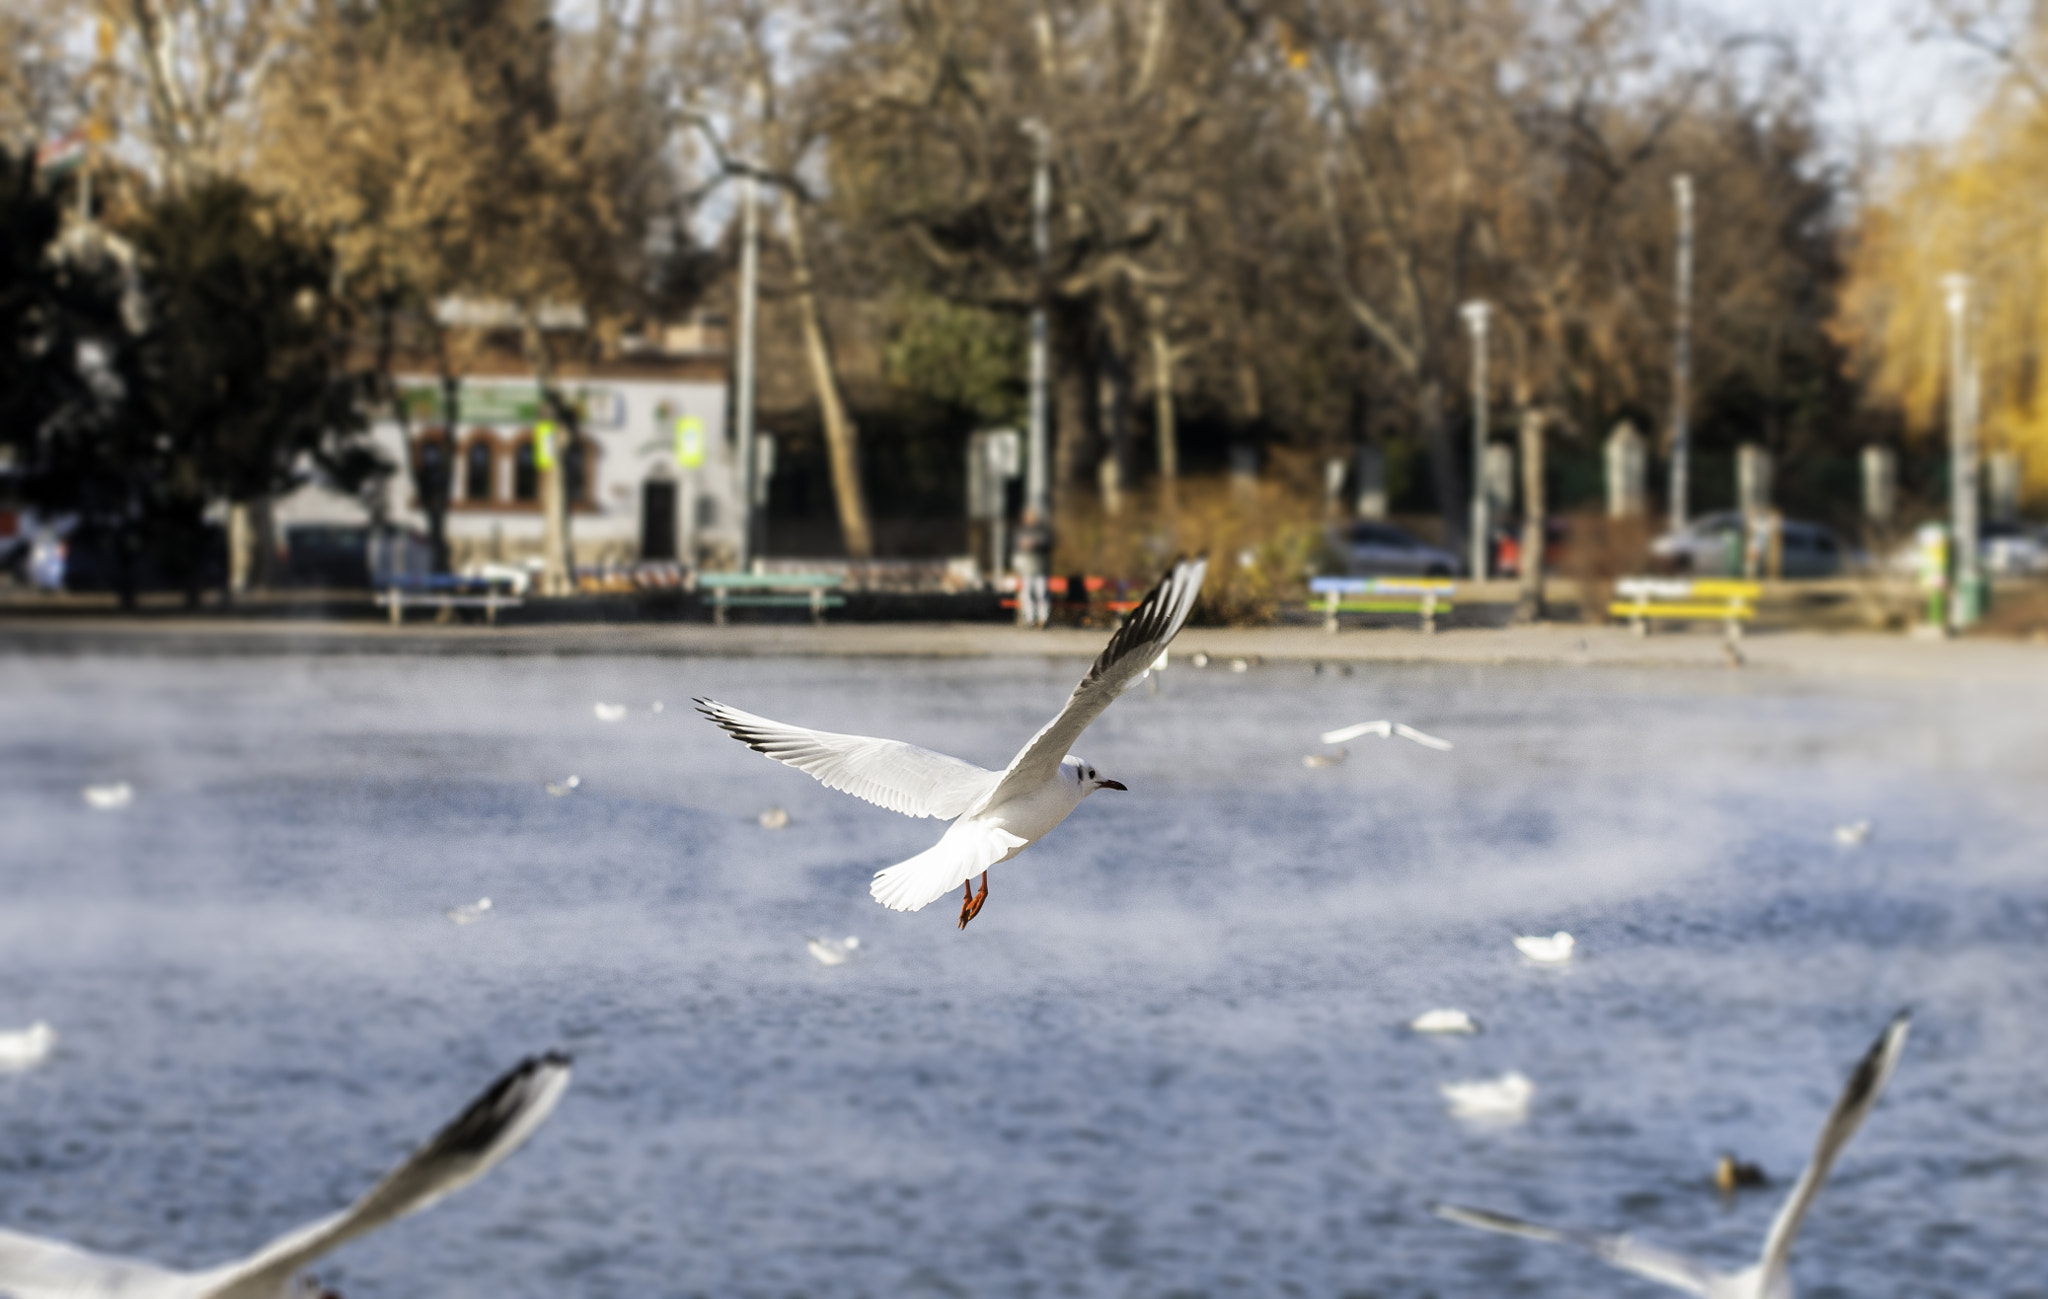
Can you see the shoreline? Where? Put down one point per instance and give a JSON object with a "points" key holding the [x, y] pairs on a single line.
{"points": [[1861, 654]]}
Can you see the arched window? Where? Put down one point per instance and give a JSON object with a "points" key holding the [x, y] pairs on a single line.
{"points": [[582, 465], [478, 469], [430, 467], [525, 478]]}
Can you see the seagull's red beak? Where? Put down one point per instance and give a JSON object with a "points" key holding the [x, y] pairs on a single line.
{"points": [[1117, 785]]}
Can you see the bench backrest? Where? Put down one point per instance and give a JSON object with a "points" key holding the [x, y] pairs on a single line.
{"points": [[1680, 588], [769, 581], [1382, 586]]}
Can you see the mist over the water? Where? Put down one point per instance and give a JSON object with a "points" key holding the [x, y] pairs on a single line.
{"points": [[1165, 1061]]}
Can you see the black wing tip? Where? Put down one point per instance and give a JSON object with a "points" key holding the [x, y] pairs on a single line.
{"points": [[501, 1105], [1871, 1072]]}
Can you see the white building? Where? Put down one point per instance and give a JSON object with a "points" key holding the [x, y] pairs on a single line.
{"points": [[657, 478]]}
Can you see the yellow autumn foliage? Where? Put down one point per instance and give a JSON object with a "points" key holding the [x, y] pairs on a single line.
{"points": [[1977, 207]]}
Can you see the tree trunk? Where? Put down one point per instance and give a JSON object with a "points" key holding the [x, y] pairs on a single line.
{"points": [[1535, 508], [1113, 390], [842, 439], [1443, 464], [1074, 447], [1164, 426]]}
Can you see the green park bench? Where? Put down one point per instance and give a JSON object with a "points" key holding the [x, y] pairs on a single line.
{"points": [[1426, 596], [813, 591]]}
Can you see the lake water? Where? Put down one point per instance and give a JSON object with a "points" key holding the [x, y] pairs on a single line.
{"points": [[1165, 1061]]}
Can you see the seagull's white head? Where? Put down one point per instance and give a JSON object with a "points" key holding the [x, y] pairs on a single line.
{"points": [[1085, 778]]}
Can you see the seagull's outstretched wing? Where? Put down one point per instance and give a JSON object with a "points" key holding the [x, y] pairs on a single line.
{"points": [[1673, 1270], [967, 849], [495, 1124], [1135, 647], [34, 1268], [895, 775], [1856, 1100]]}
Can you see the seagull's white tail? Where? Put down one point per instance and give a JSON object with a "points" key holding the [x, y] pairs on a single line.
{"points": [[966, 850]]}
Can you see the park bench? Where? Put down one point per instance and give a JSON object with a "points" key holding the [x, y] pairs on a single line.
{"points": [[447, 593], [1723, 600], [1426, 596], [813, 591]]}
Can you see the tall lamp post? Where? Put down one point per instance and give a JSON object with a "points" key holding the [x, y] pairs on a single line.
{"points": [[1967, 602], [1032, 559], [743, 365], [1681, 360], [1475, 314]]}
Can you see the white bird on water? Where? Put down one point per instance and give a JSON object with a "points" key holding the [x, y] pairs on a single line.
{"points": [[1446, 1020], [1554, 950], [1505, 1097], [25, 1048], [567, 786], [609, 712], [1768, 1277], [828, 951], [1853, 835], [1385, 730], [995, 814], [469, 913], [496, 1123], [108, 798]]}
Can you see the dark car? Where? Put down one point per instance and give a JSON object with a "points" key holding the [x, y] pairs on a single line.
{"points": [[1371, 548]]}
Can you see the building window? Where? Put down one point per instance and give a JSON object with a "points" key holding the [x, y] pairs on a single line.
{"points": [[525, 478], [430, 467], [477, 466]]}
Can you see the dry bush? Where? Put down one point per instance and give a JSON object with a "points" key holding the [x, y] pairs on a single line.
{"points": [[1598, 552], [1263, 539]]}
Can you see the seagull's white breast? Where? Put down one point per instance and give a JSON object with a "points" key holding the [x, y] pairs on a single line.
{"points": [[1036, 813]]}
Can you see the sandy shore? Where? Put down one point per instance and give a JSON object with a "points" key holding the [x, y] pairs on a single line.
{"points": [[1854, 654]]}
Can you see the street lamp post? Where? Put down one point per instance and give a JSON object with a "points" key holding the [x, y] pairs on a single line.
{"points": [[1965, 603], [743, 366], [1032, 559], [1475, 314], [1681, 360]]}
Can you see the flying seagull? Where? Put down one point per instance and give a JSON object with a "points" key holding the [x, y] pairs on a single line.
{"points": [[1768, 1277], [495, 1124], [995, 814], [1386, 730]]}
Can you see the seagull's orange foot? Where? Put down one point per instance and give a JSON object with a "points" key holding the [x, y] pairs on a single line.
{"points": [[970, 902]]}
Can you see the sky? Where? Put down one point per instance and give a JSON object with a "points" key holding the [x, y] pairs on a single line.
{"points": [[1883, 88]]}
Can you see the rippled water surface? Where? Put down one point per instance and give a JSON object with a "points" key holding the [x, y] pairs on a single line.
{"points": [[1167, 1058]]}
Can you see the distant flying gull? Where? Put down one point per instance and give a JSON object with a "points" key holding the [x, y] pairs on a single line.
{"points": [[1853, 835], [654, 709], [566, 786], [1554, 950], [470, 913], [775, 818], [1325, 759], [1768, 1277], [1444, 1021], [495, 1124], [830, 951], [108, 798], [1386, 731], [995, 814], [1505, 1097], [609, 712], [25, 1048]]}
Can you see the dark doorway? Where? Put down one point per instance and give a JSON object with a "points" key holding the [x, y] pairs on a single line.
{"points": [[657, 520]]}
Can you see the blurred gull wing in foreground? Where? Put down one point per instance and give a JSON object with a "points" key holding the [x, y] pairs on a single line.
{"points": [[496, 1123], [1768, 1277], [1386, 730], [995, 815]]}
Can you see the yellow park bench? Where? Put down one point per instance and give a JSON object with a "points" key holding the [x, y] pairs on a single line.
{"points": [[1427, 596], [1678, 599]]}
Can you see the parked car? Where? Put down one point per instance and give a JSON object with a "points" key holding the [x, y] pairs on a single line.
{"points": [[76, 554], [2013, 549], [1371, 548], [1712, 546]]}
